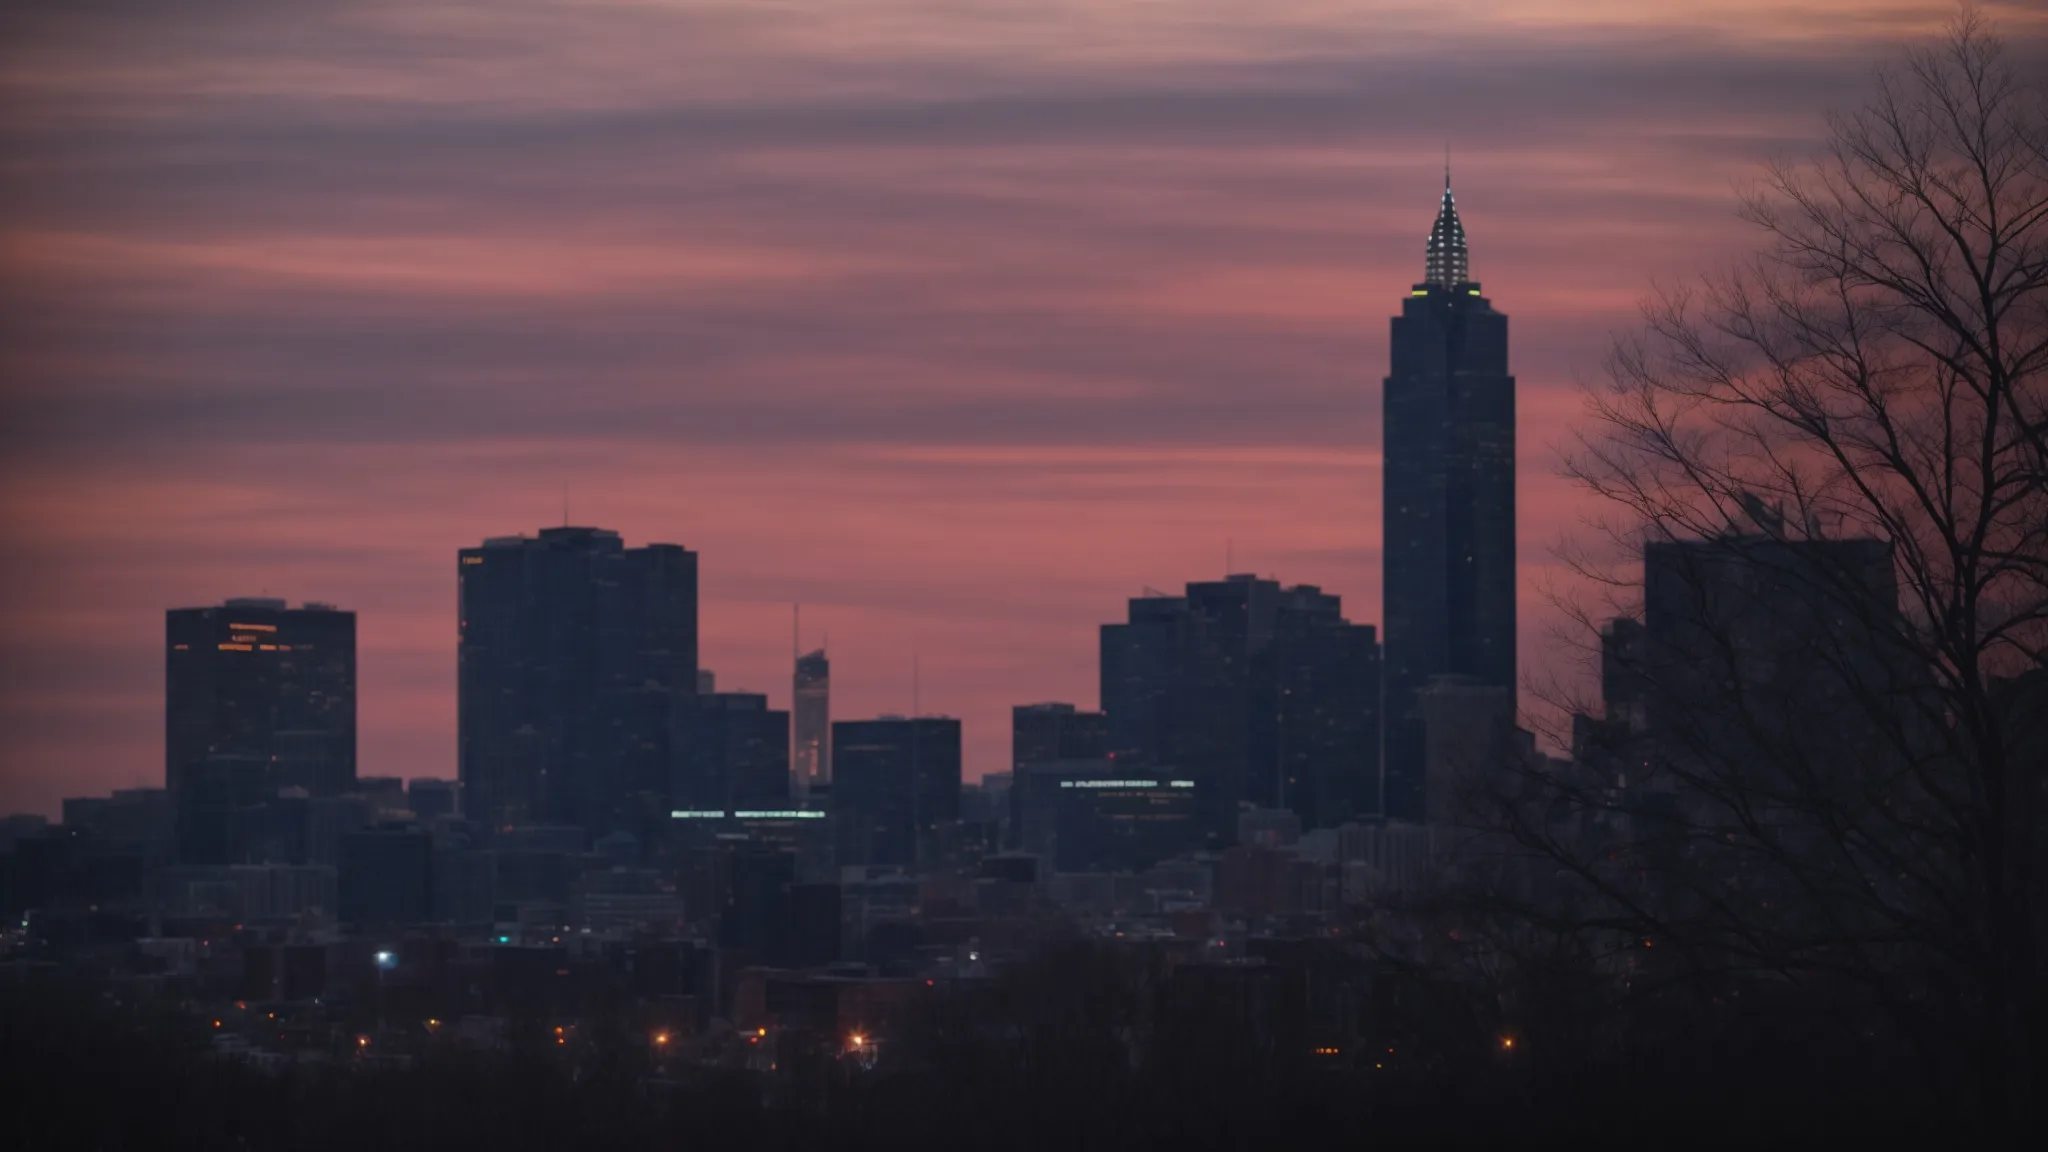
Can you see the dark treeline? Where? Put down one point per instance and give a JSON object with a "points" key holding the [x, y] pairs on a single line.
{"points": [[1077, 1048]]}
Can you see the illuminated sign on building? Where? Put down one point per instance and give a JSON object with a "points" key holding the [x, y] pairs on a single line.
{"points": [[747, 814]]}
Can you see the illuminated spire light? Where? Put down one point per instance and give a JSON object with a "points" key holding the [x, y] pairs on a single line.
{"points": [[1444, 261]]}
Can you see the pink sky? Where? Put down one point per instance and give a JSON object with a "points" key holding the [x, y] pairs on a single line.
{"points": [[958, 322]]}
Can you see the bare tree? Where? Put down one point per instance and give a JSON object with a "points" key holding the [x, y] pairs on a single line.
{"points": [[1823, 759]]}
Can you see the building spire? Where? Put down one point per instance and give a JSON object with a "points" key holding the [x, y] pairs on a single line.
{"points": [[1444, 261]]}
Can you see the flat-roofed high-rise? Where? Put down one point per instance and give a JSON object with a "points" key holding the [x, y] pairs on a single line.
{"points": [[266, 683], [575, 654]]}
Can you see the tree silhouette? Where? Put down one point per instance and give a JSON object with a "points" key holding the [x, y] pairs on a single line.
{"points": [[1821, 765]]}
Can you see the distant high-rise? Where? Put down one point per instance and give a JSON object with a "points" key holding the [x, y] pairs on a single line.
{"points": [[575, 653], [263, 683], [896, 784], [811, 732], [430, 799], [1448, 501], [732, 753], [1049, 734], [1040, 733], [1260, 694], [1800, 626]]}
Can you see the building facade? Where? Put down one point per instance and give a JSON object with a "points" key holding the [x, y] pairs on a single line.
{"points": [[1259, 693], [258, 680], [732, 751], [810, 755], [575, 654], [896, 787], [1448, 501]]}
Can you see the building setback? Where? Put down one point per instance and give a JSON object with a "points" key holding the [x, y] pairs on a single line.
{"points": [[575, 654], [1448, 505]]}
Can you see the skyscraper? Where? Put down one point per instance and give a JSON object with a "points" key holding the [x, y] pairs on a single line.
{"points": [[1260, 694], [264, 683], [1759, 646], [1041, 733], [898, 784], [732, 753], [811, 731], [1045, 738], [1448, 548], [575, 653]]}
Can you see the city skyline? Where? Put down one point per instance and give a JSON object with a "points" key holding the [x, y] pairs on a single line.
{"points": [[1279, 647], [1027, 397]]}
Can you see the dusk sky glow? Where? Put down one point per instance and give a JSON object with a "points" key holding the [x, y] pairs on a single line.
{"points": [[958, 321]]}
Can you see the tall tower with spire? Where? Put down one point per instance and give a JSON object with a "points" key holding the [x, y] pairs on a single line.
{"points": [[1448, 503]]}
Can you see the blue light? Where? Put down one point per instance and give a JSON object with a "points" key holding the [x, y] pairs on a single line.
{"points": [[387, 960]]}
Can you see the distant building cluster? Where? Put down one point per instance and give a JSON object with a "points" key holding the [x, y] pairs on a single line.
{"points": [[1259, 766]]}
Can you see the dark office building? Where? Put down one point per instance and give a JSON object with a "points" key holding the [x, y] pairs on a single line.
{"points": [[386, 877], [1043, 732], [731, 751], [1327, 676], [755, 919], [811, 709], [1085, 816], [1799, 624], [896, 783], [1448, 500], [254, 678], [798, 828], [222, 809], [1049, 733], [575, 652], [1623, 648], [385, 794], [1260, 694], [431, 799]]}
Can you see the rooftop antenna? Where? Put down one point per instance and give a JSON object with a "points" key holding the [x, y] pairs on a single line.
{"points": [[1229, 556], [915, 697], [1447, 165], [565, 504], [796, 631]]}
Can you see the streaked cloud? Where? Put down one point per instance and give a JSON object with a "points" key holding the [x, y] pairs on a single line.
{"points": [[957, 321]]}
